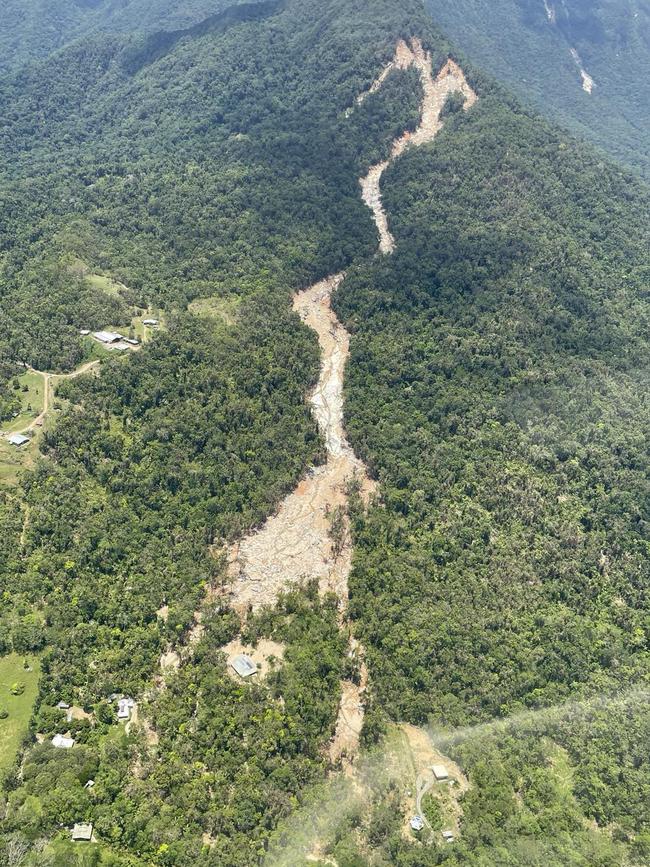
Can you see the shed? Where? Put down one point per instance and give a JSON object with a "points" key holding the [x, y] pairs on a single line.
{"points": [[84, 332], [108, 336], [417, 823], [150, 322], [440, 772], [90, 784], [82, 831], [448, 836], [63, 705], [62, 742], [243, 665], [132, 341], [18, 439]]}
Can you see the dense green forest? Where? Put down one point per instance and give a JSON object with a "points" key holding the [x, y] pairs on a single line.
{"points": [[31, 31], [527, 45], [496, 389]]}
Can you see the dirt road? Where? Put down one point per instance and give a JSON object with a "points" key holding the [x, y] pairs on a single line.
{"points": [[49, 380]]}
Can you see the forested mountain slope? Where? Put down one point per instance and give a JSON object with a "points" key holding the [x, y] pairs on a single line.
{"points": [[539, 48], [33, 30], [496, 390]]}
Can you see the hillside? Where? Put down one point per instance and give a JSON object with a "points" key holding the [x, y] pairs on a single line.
{"points": [[388, 438], [31, 31], [538, 49]]}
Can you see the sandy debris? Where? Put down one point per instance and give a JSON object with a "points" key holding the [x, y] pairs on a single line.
{"points": [[295, 544], [450, 79], [587, 80], [345, 743], [170, 661]]}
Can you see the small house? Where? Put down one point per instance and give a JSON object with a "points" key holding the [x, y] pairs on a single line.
{"points": [[150, 322], [90, 784], [448, 836], [18, 440], [84, 332], [243, 665], [63, 705], [417, 823], [82, 831], [108, 336], [441, 773], [124, 707], [62, 742]]}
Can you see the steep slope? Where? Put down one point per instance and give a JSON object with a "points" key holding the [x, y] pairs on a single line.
{"points": [[584, 64], [31, 31], [495, 389]]}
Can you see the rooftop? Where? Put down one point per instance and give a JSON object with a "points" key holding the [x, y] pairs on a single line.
{"points": [[18, 439], [243, 665], [82, 831], [417, 823], [62, 742], [440, 772], [108, 336]]}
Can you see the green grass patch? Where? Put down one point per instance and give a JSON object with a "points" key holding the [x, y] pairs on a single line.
{"points": [[19, 707], [222, 309], [31, 392], [107, 285], [14, 460]]}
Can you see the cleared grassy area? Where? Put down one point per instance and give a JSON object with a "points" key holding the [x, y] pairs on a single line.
{"points": [[31, 401], [14, 727], [106, 284], [222, 309], [14, 460]]}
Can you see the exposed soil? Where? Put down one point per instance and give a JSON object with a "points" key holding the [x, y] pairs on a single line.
{"points": [[587, 80], [295, 544], [450, 79]]}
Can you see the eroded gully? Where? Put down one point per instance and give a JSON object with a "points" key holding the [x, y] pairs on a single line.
{"points": [[295, 543]]}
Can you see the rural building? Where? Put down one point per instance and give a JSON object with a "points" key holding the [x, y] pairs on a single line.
{"points": [[84, 332], [417, 823], [124, 707], [132, 341], [90, 784], [62, 742], [243, 665], [448, 837], [63, 705], [108, 336], [18, 439], [82, 831], [441, 773], [152, 322]]}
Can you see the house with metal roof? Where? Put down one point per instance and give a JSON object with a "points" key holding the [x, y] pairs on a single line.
{"points": [[124, 707], [62, 742], [441, 773], [82, 831], [417, 823], [108, 336], [18, 439], [243, 665]]}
